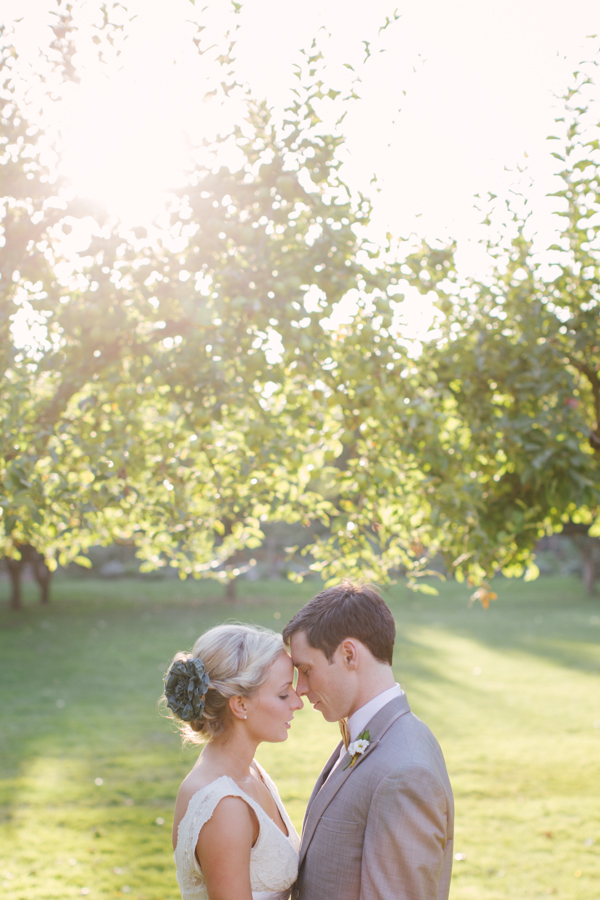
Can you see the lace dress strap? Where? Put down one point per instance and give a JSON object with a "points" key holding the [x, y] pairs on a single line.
{"points": [[274, 857], [201, 808], [272, 787]]}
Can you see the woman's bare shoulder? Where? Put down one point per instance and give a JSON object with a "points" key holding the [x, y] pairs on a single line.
{"points": [[201, 780]]}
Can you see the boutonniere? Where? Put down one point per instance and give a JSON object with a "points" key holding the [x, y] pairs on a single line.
{"points": [[357, 748]]}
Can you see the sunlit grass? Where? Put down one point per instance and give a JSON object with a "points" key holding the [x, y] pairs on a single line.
{"points": [[512, 694]]}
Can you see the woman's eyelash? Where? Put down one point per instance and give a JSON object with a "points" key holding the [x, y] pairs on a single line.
{"points": [[284, 697]]}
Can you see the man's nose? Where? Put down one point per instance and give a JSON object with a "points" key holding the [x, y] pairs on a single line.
{"points": [[301, 685]]}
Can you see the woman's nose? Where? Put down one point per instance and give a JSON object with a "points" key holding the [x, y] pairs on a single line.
{"points": [[299, 703]]}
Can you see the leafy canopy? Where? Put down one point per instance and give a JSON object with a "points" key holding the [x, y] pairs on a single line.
{"points": [[184, 383]]}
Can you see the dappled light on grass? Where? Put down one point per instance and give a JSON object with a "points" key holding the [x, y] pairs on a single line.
{"points": [[510, 692]]}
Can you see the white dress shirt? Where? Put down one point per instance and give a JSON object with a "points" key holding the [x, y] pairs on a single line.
{"points": [[359, 720]]}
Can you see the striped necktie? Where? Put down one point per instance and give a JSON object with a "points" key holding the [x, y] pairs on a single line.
{"points": [[344, 732]]}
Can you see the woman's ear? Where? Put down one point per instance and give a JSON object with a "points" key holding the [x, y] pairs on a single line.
{"points": [[238, 707]]}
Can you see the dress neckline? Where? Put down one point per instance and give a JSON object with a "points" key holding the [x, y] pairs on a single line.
{"points": [[251, 801], [256, 805], [258, 771]]}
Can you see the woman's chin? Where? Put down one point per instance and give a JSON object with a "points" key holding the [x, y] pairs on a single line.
{"points": [[275, 738]]}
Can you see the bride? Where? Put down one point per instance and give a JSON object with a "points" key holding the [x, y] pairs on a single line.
{"points": [[231, 835]]}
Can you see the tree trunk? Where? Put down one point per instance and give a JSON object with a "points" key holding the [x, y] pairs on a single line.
{"points": [[589, 575], [589, 547], [230, 591], [15, 567], [42, 575]]}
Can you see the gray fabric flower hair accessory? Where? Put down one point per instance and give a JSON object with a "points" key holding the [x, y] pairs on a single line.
{"points": [[186, 683]]}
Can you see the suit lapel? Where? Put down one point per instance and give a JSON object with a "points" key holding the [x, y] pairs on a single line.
{"points": [[324, 797], [326, 788], [323, 777]]}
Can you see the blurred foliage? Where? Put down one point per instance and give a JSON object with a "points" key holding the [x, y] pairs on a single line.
{"points": [[189, 382], [519, 351]]}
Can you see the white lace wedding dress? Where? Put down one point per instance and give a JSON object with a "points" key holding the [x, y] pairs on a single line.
{"points": [[273, 859]]}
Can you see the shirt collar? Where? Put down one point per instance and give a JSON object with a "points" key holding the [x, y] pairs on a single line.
{"points": [[359, 720]]}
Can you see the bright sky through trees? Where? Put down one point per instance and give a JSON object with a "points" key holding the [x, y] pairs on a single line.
{"points": [[461, 92], [262, 327]]}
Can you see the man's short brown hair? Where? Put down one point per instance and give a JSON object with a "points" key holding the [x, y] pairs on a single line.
{"points": [[346, 611]]}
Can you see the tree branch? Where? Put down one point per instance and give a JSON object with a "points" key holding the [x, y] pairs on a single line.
{"points": [[592, 376]]}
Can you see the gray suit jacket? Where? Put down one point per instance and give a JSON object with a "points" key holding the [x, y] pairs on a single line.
{"points": [[383, 829]]}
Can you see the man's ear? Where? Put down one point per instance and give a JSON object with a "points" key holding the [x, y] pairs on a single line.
{"points": [[349, 652]]}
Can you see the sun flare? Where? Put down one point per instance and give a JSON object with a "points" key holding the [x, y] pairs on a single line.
{"points": [[124, 148]]}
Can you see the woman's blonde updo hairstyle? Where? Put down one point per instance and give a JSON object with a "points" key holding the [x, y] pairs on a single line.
{"points": [[237, 659]]}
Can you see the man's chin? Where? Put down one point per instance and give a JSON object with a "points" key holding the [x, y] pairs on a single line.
{"points": [[328, 715]]}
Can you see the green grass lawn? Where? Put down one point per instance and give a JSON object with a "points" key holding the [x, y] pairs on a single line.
{"points": [[90, 770]]}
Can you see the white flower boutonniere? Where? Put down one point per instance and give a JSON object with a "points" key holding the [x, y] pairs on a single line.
{"points": [[357, 748]]}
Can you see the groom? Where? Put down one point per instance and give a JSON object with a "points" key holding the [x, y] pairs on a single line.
{"points": [[379, 823]]}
